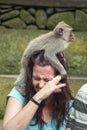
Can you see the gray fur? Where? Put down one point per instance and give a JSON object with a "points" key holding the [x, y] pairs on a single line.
{"points": [[53, 42]]}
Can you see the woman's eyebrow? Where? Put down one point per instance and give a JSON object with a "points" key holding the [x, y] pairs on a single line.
{"points": [[46, 79]]}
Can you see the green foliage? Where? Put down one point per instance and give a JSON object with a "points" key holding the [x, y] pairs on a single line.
{"points": [[5, 87], [53, 20], [41, 18], [27, 17], [14, 23], [12, 45], [75, 85], [80, 24], [9, 15], [77, 55]]}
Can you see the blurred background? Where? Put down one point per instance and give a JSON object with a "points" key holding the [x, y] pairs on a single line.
{"points": [[21, 21]]}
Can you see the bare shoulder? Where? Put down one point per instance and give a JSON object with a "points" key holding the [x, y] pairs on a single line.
{"points": [[12, 108], [13, 103], [83, 88]]}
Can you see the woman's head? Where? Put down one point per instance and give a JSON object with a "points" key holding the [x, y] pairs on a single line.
{"points": [[39, 71], [42, 72], [41, 75]]}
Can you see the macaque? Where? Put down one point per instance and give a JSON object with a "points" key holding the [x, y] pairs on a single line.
{"points": [[51, 43]]}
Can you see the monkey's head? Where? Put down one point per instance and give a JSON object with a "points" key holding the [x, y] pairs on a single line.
{"points": [[64, 31]]}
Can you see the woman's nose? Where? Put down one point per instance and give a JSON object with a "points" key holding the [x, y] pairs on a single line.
{"points": [[42, 83]]}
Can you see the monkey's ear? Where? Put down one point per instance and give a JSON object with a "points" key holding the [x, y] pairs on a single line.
{"points": [[60, 31]]}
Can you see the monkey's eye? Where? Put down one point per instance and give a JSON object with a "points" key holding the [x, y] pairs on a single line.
{"points": [[60, 31]]}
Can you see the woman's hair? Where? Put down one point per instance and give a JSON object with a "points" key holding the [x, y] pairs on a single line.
{"points": [[58, 102]]}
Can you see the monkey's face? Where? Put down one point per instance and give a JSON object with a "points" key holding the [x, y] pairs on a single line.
{"points": [[64, 31], [71, 36], [68, 35]]}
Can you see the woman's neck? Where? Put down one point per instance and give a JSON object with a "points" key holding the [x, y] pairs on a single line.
{"points": [[46, 114]]}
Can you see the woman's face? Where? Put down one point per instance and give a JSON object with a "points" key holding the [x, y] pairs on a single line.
{"points": [[41, 75]]}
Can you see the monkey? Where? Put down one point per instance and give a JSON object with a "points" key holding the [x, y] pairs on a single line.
{"points": [[52, 43]]}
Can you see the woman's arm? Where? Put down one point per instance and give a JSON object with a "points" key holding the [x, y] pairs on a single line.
{"points": [[18, 117], [68, 128]]}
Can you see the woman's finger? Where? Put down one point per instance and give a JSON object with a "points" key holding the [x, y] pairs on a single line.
{"points": [[56, 79]]}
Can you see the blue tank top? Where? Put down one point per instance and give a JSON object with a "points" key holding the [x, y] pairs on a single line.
{"points": [[50, 125]]}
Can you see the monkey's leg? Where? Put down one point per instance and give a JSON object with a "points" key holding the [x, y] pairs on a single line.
{"points": [[20, 81], [55, 62]]}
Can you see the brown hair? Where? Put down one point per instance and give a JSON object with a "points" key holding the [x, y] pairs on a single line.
{"points": [[59, 102]]}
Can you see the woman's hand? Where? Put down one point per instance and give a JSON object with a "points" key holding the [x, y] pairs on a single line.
{"points": [[68, 128], [52, 86]]}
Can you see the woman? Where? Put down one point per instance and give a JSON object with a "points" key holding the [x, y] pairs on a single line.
{"points": [[47, 99]]}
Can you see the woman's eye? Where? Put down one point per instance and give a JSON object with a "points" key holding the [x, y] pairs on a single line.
{"points": [[36, 78], [46, 80]]}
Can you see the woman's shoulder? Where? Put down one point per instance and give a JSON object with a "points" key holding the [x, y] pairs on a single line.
{"points": [[82, 93], [16, 94], [83, 88]]}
